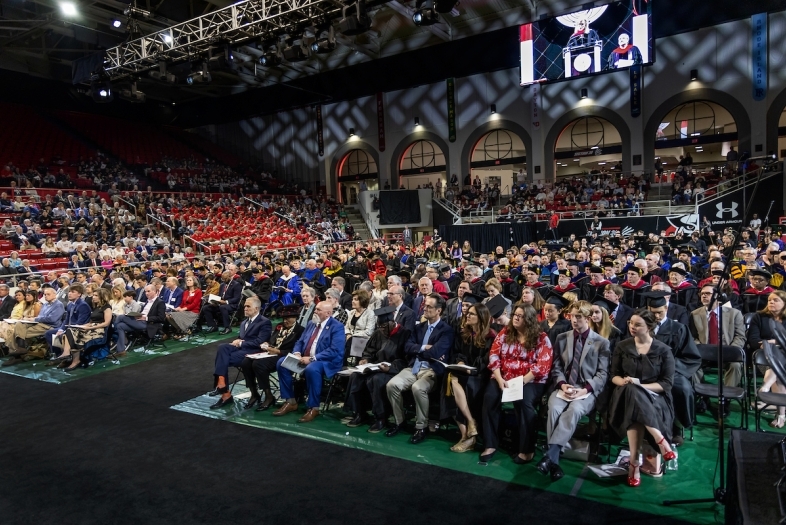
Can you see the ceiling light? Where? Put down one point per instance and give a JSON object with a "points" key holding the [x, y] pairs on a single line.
{"points": [[351, 132], [116, 23], [68, 8], [425, 17], [583, 92], [694, 74], [594, 147], [601, 163], [493, 108], [417, 121], [167, 39], [576, 160]]}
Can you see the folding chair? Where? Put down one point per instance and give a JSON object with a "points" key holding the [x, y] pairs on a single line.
{"points": [[768, 398], [731, 354]]}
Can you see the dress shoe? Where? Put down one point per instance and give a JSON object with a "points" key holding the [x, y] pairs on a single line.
{"points": [[418, 436], [221, 403], [634, 481], [556, 472], [211, 329], [355, 421], [485, 458], [252, 402], [518, 460], [215, 392], [311, 415], [13, 361], [267, 404], [378, 426], [224, 331], [544, 465], [392, 431], [286, 408]]}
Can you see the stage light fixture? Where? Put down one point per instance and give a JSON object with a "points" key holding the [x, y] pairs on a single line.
{"points": [[583, 92], [493, 108], [270, 59], [101, 91], [694, 74], [200, 74], [116, 23], [417, 121], [132, 94], [325, 44], [68, 8], [425, 17], [355, 23]]}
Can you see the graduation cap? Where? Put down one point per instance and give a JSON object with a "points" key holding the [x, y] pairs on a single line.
{"points": [[655, 299], [471, 298], [679, 270], [566, 273], [558, 301], [496, 306], [385, 310], [604, 303], [631, 252], [259, 269], [532, 251], [636, 269], [290, 310], [534, 268], [573, 262], [404, 274], [596, 269], [761, 273]]}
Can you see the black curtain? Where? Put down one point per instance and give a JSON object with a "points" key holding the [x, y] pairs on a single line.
{"points": [[399, 207], [486, 237]]}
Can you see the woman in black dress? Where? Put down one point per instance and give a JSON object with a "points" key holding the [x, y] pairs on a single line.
{"points": [[77, 336], [641, 405], [462, 393], [760, 331]]}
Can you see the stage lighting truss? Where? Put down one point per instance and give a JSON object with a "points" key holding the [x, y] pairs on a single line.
{"points": [[236, 23]]}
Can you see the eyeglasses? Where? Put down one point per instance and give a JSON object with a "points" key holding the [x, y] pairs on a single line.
{"points": [[518, 316], [703, 294]]}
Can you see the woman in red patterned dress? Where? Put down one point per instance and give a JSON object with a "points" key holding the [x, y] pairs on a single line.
{"points": [[521, 349]]}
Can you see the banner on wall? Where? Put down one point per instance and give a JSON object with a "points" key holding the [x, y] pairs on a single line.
{"points": [[320, 137], [452, 109], [635, 91], [759, 56], [381, 122], [728, 210], [536, 105]]}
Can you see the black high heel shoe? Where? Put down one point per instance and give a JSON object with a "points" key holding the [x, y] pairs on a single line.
{"points": [[485, 458]]}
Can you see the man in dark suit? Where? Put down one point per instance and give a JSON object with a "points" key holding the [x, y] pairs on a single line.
{"points": [[687, 359], [321, 351], [91, 262], [453, 308], [621, 314], [402, 315], [230, 293], [427, 350], [580, 367], [675, 312], [338, 284], [7, 302], [425, 287], [152, 318], [254, 330]]}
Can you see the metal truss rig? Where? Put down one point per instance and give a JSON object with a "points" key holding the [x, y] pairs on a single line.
{"points": [[236, 23]]}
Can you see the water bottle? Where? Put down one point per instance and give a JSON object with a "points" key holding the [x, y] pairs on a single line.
{"points": [[672, 465]]}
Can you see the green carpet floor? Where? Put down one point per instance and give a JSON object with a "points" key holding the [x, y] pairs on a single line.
{"points": [[693, 479], [38, 370]]}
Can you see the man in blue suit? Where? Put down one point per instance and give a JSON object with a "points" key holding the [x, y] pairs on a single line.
{"points": [[428, 351], [172, 295], [230, 293], [77, 312], [321, 351], [254, 331]]}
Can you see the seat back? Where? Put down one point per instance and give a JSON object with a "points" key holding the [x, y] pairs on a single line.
{"points": [[731, 354]]}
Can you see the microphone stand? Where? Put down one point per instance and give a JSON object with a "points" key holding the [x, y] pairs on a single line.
{"points": [[719, 493]]}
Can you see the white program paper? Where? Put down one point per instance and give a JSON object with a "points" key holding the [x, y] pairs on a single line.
{"points": [[515, 390]]}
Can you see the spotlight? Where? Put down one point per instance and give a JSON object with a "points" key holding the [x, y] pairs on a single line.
{"points": [[425, 17], [493, 108], [116, 23], [270, 59], [163, 74], [356, 23], [351, 132], [444, 6], [200, 73], [417, 121], [694, 74], [102, 92], [296, 53], [583, 92], [68, 8], [167, 39], [323, 45], [132, 94]]}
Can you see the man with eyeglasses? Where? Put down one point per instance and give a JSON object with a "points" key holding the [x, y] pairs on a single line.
{"points": [[427, 350], [754, 298], [402, 315], [687, 359], [254, 331]]}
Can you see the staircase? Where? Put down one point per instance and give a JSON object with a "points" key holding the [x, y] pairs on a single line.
{"points": [[357, 222]]}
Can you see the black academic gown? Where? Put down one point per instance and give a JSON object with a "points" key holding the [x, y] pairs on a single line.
{"points": [[687, 361], [561, 326]]}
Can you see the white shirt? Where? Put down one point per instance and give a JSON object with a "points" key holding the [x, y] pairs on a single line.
{"points": [[320, 328]]}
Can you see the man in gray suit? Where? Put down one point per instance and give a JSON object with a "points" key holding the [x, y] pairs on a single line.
{"points": [[733, 330], [580, 368]]}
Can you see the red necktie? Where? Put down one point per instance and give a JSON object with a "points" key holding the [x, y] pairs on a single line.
{"points": [[712, 337], [307, 349]]}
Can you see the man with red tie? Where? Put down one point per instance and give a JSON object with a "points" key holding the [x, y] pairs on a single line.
{"points": [[321, 351]]}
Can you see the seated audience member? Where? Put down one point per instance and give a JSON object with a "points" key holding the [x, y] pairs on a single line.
{"points": [[521, 349], [116, 302], [580, 368], [401, 314], [307, 312], [345, 300], [620, 313], [553, 323], [320, 350], [361, 321], [642, 364], [463, 392], [287, 287], [129, 304], [704, 327], [675, 312], [7, 302], [254, 330], [229, 294], [755, 296], [427, 350], [151, 318], [262, 285], [78, 335], [333, 297], [282, 341], [17, 312], [760, 331], [183, 316], [368, 390], [50, 316], [172, 295]]}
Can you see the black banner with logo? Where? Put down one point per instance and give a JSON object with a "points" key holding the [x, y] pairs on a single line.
{"points": [[452, 109], [622, 225], [727, 211], [320, 137], [635, 91]]}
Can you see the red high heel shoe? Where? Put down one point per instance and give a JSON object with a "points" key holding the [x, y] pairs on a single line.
{"points": [[667, 456], [634, 481]]}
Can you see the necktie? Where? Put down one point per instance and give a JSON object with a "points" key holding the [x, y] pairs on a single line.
{"points": [[418, 363], [611, 317], [422, 304], [713, 329], [458, 310], [307, 349], [243, 329], [574, 365]]}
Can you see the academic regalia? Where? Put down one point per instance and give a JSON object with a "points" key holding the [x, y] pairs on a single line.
{"points": [[753, 300], [687, 361], [293, 283], [632, 295]]}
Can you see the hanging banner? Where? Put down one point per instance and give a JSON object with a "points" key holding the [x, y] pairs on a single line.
{"points": [[381, 122], [759, 56], [452, 109], [536, 94], [320, 138], [635, 91]]}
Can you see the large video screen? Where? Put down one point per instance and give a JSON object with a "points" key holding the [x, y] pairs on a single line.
{"points": [[604, 38]]}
